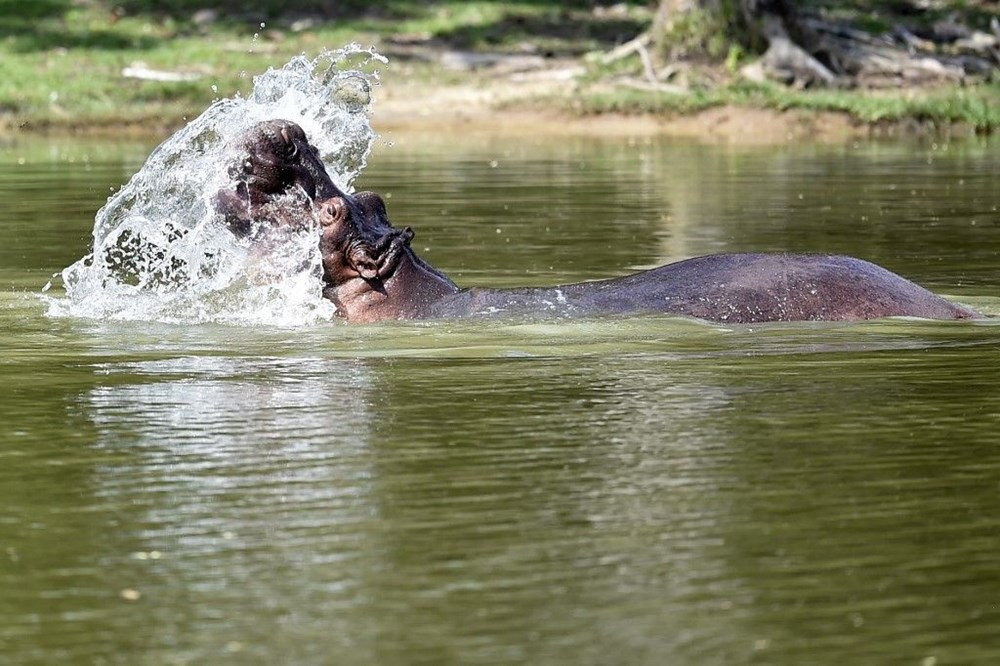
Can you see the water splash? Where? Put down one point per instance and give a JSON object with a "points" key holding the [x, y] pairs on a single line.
{"points": [[160, 253]]}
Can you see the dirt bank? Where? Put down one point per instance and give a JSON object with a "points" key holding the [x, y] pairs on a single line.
{"points": [[500, 106]]}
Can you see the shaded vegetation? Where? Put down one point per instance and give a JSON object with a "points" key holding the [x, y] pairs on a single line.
{"points": [[879, 15], [715, 31], [41, 25], [561, 32]]}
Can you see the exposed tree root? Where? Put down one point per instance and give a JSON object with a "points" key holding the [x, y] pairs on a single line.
{"points": [[810, 50]]}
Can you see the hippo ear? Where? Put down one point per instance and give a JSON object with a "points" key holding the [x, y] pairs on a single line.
{"points": [[332, 211]]}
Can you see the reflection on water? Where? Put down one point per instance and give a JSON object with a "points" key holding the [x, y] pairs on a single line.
{"points": [[269, 464], [647, 490]]}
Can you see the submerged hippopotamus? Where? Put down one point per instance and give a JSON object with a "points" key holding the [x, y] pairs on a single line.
{"points": [[371, 272]]}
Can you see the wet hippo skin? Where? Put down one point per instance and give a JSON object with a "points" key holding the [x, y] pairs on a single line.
{"points": [[738, 288], [372, 274]]}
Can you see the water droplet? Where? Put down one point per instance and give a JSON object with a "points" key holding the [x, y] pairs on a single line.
{"points": [[353, 92]]}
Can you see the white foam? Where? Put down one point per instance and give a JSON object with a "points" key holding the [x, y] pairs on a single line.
{"points": [[159, 250]]}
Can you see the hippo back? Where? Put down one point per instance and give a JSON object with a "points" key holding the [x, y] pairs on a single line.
{"points": [[731, 288]]}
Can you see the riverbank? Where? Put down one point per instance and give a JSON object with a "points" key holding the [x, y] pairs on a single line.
{"points": [[496, 110], [563, 109], [558, 106], [512, 66]]}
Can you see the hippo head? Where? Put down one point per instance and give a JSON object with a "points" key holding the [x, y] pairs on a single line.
{"points": [[369, 270], [358, 241], [275, 161]]}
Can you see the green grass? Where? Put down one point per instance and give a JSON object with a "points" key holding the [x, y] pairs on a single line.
{"points": [[66, 68], [61, 60]]}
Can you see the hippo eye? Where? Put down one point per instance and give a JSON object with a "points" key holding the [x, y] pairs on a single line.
{"points": [[371, 202]]}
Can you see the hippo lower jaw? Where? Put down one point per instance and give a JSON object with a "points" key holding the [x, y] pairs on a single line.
{"points": [[408, 289]]}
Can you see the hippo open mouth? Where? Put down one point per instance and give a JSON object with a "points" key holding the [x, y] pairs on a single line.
{"points": [[276, 156], [277, 177]]}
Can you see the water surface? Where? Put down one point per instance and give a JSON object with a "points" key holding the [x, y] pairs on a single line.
{"points": [[641, 490]]}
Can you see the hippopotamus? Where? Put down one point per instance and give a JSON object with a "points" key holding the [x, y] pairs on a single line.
{"points": [[371, 272]]}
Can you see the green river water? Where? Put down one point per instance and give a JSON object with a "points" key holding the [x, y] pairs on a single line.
{"points": [[643, 490]]}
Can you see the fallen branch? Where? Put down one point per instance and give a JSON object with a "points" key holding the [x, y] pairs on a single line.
{"points": [[141, 71], [656, 86], [628, 48], [647, 64], [787, 60], [902, 57]]}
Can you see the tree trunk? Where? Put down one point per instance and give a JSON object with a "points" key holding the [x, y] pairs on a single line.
{"points": [[711, 28]]}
